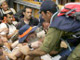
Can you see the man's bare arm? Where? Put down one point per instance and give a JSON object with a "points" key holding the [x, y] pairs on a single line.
{"points": [[9, 36], [3, 29], [36, 52]]}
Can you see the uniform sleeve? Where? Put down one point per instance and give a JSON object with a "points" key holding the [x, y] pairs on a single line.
{"points": [[51, 40]]}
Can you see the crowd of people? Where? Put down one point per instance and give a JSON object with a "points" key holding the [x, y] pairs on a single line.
{"points": [[55, 33]]}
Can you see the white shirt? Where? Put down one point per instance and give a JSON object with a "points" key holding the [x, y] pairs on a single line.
{"points": [[12, 28]]}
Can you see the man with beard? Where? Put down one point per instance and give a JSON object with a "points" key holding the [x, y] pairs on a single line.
{"points": [[7, 29], [27, 39]]}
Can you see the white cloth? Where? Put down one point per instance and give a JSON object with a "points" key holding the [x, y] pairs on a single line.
{"points": [[14, 22], [41, 34], [10, 10], [46, 57], [56, 57], [12, 28], [3, 25]]}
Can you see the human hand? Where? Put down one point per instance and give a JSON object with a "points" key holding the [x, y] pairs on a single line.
{"points": [[36, 44], [63, 44]]}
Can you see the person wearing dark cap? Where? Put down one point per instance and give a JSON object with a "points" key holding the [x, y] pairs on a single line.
{"points": [[50, 10], [47, 9], [60, 29]]}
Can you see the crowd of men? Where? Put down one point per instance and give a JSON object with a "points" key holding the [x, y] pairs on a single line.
{"points": [[55, 33]]}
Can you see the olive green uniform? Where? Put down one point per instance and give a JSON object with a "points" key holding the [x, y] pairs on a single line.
{"points": [[75, 55], [52, 42]]}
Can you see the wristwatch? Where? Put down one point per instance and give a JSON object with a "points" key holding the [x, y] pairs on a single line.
{"points": [[29, 45]]}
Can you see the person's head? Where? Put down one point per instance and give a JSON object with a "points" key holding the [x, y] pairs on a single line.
{"points": [[27, 33], [31, 37], [47, 9], [4, 5], [27, 12], [9, 17]]}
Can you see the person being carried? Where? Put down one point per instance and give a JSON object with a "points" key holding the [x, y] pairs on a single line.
{"points": [[27, 39], [60, 27]]}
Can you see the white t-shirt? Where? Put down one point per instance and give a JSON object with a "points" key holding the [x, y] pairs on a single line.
{"points": [[12, 28]]}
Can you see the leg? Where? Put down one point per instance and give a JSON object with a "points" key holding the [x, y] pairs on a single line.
{"points": [[14, 54], [5, 41]]}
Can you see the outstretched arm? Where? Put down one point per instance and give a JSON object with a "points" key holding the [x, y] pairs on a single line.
{"points": [[51, 42]]}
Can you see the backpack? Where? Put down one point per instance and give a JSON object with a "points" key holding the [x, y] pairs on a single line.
{"points": [[71, 10], [7, 25]]}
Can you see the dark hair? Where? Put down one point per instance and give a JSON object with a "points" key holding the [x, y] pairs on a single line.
{"points": [[49, 6], [51, 10], [10, 13], [24, 10]]}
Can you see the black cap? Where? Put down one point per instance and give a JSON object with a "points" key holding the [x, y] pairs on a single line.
{"points": [[48, 6]]}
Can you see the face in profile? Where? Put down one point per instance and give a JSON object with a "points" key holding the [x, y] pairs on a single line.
{"points": [[28, 13], [46, 16], [4, 6]]}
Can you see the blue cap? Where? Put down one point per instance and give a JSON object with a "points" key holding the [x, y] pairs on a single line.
{"points": [[48, 6], [25, 28]]}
